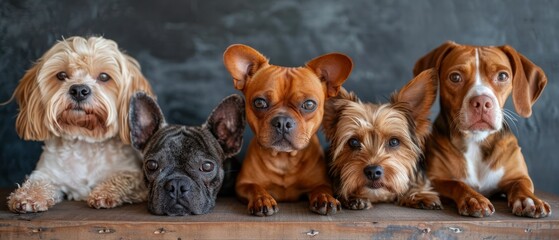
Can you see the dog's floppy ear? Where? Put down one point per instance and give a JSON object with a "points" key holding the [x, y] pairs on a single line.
{"points": [[145, 119], [332, 110], [29, 122], [227, 124], [242, 62], [434, 58], [419, 94], [134, 82], [333, 69], [528, 81]]}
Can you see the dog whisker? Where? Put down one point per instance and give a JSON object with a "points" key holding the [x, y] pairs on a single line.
{"points": [[510, 118]]}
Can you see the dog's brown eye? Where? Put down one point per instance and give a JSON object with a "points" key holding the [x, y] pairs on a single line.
{"points": [[260, 103], [309, 105], [503, 76], [455, 77], [207, 167], [354, 143], [62, 76], [103, 77], [393, 142], [151, 165]]}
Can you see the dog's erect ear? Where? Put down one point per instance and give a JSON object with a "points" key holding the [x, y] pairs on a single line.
{"points": [[134, 82], [332, 110], [242, 62], [333, 69], [419, 94], [145, 119], [528, 81], [227, 124], [434, 58]]}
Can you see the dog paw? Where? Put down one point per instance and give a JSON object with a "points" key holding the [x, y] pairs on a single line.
{"points": [[428, 200], [357, 203], [476, 206], [324, 204], [530, 207], [103, 200], [263, 206], [21, 201]]}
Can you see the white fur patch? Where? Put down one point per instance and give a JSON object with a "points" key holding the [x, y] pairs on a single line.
{"points": [[517, 205], [380, 195], [75, 167], [528, 202], [479, 174], [481, 88]]}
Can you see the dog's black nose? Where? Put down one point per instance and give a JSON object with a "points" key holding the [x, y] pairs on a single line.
{"points": [[79, 92], [283, 124], [374, 172], [176, 188]]}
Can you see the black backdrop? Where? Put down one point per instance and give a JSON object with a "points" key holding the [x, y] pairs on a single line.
{"points": [[179, 44]]}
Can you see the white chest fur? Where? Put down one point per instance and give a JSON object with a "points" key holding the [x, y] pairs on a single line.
{"points": [[76, 167], [479, 174]]}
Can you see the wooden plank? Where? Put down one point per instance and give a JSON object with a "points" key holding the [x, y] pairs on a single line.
{"points": [[229, 220]]}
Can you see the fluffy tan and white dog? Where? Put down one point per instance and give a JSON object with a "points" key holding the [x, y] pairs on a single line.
{"points": [[75, 98]]}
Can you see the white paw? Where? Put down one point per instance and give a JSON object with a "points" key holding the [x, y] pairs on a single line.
{"points": [[529, 207]]}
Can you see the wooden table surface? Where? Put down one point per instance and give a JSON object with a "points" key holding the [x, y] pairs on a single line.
{"points": [[229, 220]]}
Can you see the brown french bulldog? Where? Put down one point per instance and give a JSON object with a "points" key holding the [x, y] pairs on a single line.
{"points": [[284, 108]]}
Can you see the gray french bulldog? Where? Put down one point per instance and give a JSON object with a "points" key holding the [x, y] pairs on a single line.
{"points": [[183, 165]]}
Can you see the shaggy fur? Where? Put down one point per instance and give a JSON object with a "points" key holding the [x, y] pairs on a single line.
{"points": [[390, 136], [85, 156]]}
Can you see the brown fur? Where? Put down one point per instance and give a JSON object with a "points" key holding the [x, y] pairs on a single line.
{"points": [[274, 172], [373, 125], [448, 144]]}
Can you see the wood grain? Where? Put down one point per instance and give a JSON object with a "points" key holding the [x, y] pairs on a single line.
{"points": [[229, 220]]}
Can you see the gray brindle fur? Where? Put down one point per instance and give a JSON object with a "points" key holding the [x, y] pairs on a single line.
{"points": [[183, 165]]}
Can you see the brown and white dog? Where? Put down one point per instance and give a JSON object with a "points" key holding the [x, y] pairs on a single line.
{"points": [[472, 153], [75, 99], [377, 149], [285, 106]]}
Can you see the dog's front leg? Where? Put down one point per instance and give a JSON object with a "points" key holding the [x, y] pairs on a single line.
{"points": [[122, 187], [468, 201], [260, 202], [522, 200], [34, 195]]}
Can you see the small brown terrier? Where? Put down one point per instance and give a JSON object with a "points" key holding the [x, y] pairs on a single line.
{"points": [[284, 109], [377, 149]]}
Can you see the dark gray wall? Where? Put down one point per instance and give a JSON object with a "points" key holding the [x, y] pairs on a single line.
{"points": [[180, 46]]}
